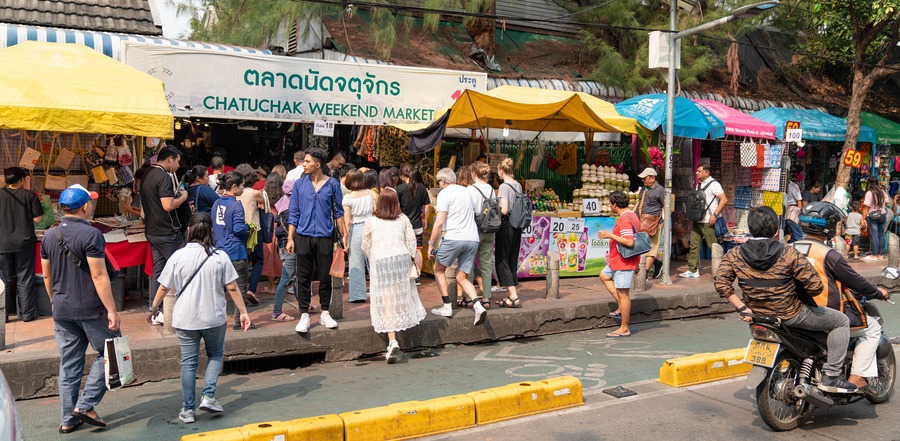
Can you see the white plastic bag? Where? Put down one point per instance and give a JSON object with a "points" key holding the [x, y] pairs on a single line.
{"points": [[117, 363]]}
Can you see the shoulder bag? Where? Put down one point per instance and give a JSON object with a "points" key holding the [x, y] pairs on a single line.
{"points": [[641, 244], [266, 220], [649, 222]]}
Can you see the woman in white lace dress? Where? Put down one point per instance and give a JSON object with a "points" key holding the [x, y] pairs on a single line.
{"points": [[390, 244]]}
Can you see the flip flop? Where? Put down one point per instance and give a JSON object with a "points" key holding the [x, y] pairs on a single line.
{"points": [[618, 334], [71, 429], [615, 315], [85, 418], [252, 298]]}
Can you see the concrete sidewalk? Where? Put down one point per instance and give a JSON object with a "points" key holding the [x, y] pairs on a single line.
{"points": [[31, 361]]}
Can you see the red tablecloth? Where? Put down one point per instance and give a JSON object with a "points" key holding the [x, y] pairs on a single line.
{"points": [[121, 254]]}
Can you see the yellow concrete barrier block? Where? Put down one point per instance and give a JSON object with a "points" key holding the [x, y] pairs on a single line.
{"points": [[526, 398], [409, 419], [703, 368], [318, 428], [233, 434], [451, 413], [368, 424], [265, 431]]}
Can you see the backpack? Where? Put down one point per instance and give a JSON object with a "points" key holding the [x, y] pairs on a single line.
{"points": [[520, 208], [696, 203], [488, 217], [281, 228]]}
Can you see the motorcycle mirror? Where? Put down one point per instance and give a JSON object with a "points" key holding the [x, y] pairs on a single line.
{"points": [[890, 273]]}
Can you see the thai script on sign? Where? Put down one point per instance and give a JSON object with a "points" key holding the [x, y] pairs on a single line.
{"points": [[312, 81]]}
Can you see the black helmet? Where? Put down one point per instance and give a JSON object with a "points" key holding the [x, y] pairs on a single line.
{"points": [[820, 218]]}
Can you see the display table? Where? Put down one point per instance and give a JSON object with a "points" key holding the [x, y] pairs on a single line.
{"points": [[122, 255]]}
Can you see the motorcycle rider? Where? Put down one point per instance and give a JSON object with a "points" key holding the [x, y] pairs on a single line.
{"points": [[818, 221], [766, 271]]}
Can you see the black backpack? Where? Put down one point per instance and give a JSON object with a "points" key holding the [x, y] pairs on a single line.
{"points": [[488, 218], [520, 208], [696, 203]]}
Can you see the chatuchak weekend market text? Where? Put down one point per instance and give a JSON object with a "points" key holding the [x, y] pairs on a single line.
{"points": [[369, 85]]}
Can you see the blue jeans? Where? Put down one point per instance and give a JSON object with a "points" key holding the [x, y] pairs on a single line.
{"points": [[190, 352], [287, 275], [832, 321], [876, 235], [72, 338], [256, 264], [357, 263]]}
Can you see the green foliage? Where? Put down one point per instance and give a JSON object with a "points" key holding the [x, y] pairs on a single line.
{"points": [[838, 27]]}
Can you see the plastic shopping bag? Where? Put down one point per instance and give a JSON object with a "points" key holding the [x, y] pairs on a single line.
{"points": [[117, 363]]}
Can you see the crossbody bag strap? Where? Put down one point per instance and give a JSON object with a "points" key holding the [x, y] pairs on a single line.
{"points": [[188, 282], [65, 248], [640, 206], [704, 194]]}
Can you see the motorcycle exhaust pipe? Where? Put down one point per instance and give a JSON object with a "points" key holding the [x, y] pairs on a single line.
{"points": [[813, 395]]}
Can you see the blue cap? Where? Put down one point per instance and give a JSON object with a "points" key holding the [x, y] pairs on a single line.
{"points": [[75, 196]]}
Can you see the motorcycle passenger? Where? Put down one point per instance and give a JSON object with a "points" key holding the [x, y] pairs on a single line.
{"points": [[766, 271], [818, 221]]}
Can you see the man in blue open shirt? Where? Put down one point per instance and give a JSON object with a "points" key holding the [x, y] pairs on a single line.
{"points": [[315, 209]]}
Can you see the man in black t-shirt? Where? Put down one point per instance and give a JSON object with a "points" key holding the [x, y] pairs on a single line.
{"points": [[20, 208], [160, 199]]}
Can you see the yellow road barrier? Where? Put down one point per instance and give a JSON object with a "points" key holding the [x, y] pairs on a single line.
{"points": [[704, 368]]}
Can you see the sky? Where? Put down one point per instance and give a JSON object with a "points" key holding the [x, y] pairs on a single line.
{"points": [[173, 26]]}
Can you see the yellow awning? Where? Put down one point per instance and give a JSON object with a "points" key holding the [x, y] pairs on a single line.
{"points": [[60, 87]]}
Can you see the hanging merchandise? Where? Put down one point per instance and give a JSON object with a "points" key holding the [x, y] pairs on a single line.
{"points": [[742, 197], [773, 200], [567, 155], [773, 155], [756, 198], [771, 179], [743, 177], [748, 154], [756, 178], [538, 158], [742, 217], [728, 152]]}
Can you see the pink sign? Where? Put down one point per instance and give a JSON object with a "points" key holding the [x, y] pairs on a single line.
{"points": [[738, 123]]}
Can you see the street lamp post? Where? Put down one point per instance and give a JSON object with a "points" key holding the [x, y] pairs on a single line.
{"points": [[743, 12]]}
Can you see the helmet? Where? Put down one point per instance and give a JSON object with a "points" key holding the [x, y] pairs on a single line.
{"points": [[820, 218]]}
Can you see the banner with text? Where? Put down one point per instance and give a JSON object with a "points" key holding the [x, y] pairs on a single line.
{"points": [[214, 84]]}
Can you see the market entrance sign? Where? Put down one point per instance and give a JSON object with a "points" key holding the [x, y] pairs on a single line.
{"points": [[213, 84]]}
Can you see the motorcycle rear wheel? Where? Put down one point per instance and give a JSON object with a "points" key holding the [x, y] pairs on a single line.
{"points": [[773, 396], [881, 388]]}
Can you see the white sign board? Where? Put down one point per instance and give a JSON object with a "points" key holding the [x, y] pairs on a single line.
{"points": [[213, 84], [590, 206], [793, 135], [323, 128], [566, 225]]}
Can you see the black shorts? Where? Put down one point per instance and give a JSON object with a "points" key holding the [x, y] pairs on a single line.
{"points": [[419, 241]]}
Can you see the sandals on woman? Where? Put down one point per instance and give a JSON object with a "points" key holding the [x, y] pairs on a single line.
{"points": [[486, 303], [510, 303], [464, 302], [282, 317], [252, 298]]}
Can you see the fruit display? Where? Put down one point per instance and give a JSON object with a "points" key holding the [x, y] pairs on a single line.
{"points": [[598, 183], [544, 200]]}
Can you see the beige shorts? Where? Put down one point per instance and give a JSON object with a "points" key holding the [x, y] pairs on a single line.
{"points": [[654, 242]]}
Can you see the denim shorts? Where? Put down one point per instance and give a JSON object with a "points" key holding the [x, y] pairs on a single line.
{"points": [[464, 250], [621, 278]]}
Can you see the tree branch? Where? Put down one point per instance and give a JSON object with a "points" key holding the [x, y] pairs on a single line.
{"points": [[889, 46]]}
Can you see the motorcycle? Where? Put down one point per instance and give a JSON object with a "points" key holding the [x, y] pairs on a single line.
{"points": [[787, 366]]}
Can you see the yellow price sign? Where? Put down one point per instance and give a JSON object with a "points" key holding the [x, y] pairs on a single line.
{"points": [[853, 158]]}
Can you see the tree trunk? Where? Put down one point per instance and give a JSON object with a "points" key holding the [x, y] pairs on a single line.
{"points": [[861, 85], [482, 29]]}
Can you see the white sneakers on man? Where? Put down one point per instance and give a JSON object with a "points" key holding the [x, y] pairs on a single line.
{"points": [[690, 275], [443, 311], [186, 416], [303, 324], [327, 321]]}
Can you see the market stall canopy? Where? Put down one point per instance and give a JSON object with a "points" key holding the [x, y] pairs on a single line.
{"points": [[691, 120], [738, 123], [72, 88], [816, 125], [524, 109], [887, 131]]}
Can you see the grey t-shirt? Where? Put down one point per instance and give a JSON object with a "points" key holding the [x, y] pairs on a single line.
{"points": [[653, 200], [505, 191]]}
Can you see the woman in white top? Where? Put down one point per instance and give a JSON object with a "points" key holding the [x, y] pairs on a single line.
{"points": [[199, 274], [250, 200], [390, 244], [358, 206]]}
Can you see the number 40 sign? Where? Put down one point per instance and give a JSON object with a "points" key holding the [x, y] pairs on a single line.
{"points": [[853, 158]]}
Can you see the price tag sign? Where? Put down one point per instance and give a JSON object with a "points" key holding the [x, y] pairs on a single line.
{"points": [[590, 206], [853, 158], [528, 232], [567, 225], [792, 131], [323, 128]]}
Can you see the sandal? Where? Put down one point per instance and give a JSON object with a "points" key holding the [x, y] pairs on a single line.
{"points": [[238, 327], [464, 302], [509, 303], [71, 428], [486, 303], [85, 418], [282, 317], [252, 298]]}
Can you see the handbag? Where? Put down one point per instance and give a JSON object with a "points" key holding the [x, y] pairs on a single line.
{"points": [[55, 183], [875, 216], [337, 263], [266, 221], [99, 174], [721, 227], [641, 244], [117, 363], [413, 270], [649, 222]]}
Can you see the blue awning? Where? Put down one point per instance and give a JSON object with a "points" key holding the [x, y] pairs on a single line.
{"points": [[106, 43], [816, 125]]}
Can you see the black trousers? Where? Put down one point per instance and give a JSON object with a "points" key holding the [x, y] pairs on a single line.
{"points": [[17, 273], [506, 254], [314, 255], [162, 248]]}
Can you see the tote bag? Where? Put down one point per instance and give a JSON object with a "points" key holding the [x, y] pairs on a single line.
{"points": [[117, 363], [266, 221], [641, 244]]}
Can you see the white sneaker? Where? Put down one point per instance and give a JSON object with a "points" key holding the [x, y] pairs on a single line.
{"points": [[870, 258], [480, 313], [690, 275], [158, 320], [497, 289], [186, 416], [392, 350], [326, 320], [303, 324], [443, 311], [210, 404]]}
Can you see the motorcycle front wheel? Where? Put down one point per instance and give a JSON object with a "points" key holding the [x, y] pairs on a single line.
{"points": [[881, 388], [775, 399]]}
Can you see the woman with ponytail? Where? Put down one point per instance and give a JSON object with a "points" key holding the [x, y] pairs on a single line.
{"points": [[200, 195]]}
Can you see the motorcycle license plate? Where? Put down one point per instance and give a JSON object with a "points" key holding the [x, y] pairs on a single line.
{"points": [[761, 353]]}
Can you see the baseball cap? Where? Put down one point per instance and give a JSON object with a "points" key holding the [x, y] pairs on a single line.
{"points": [[75, 196], [649, 171]]}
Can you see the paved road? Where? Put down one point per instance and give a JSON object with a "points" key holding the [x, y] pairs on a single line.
{"points": [[149, 411]]}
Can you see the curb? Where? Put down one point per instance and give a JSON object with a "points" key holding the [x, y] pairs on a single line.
{"points": [[415, 418], [704, 368]]}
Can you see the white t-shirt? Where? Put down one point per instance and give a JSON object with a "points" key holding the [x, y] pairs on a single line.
{"points": [[712, 193], [202, 304], [294, 174], [477, 190], [460, 223], [360, 208]]}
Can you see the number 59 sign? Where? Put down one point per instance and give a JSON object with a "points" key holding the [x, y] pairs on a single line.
{"points": [[853, 158]]}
